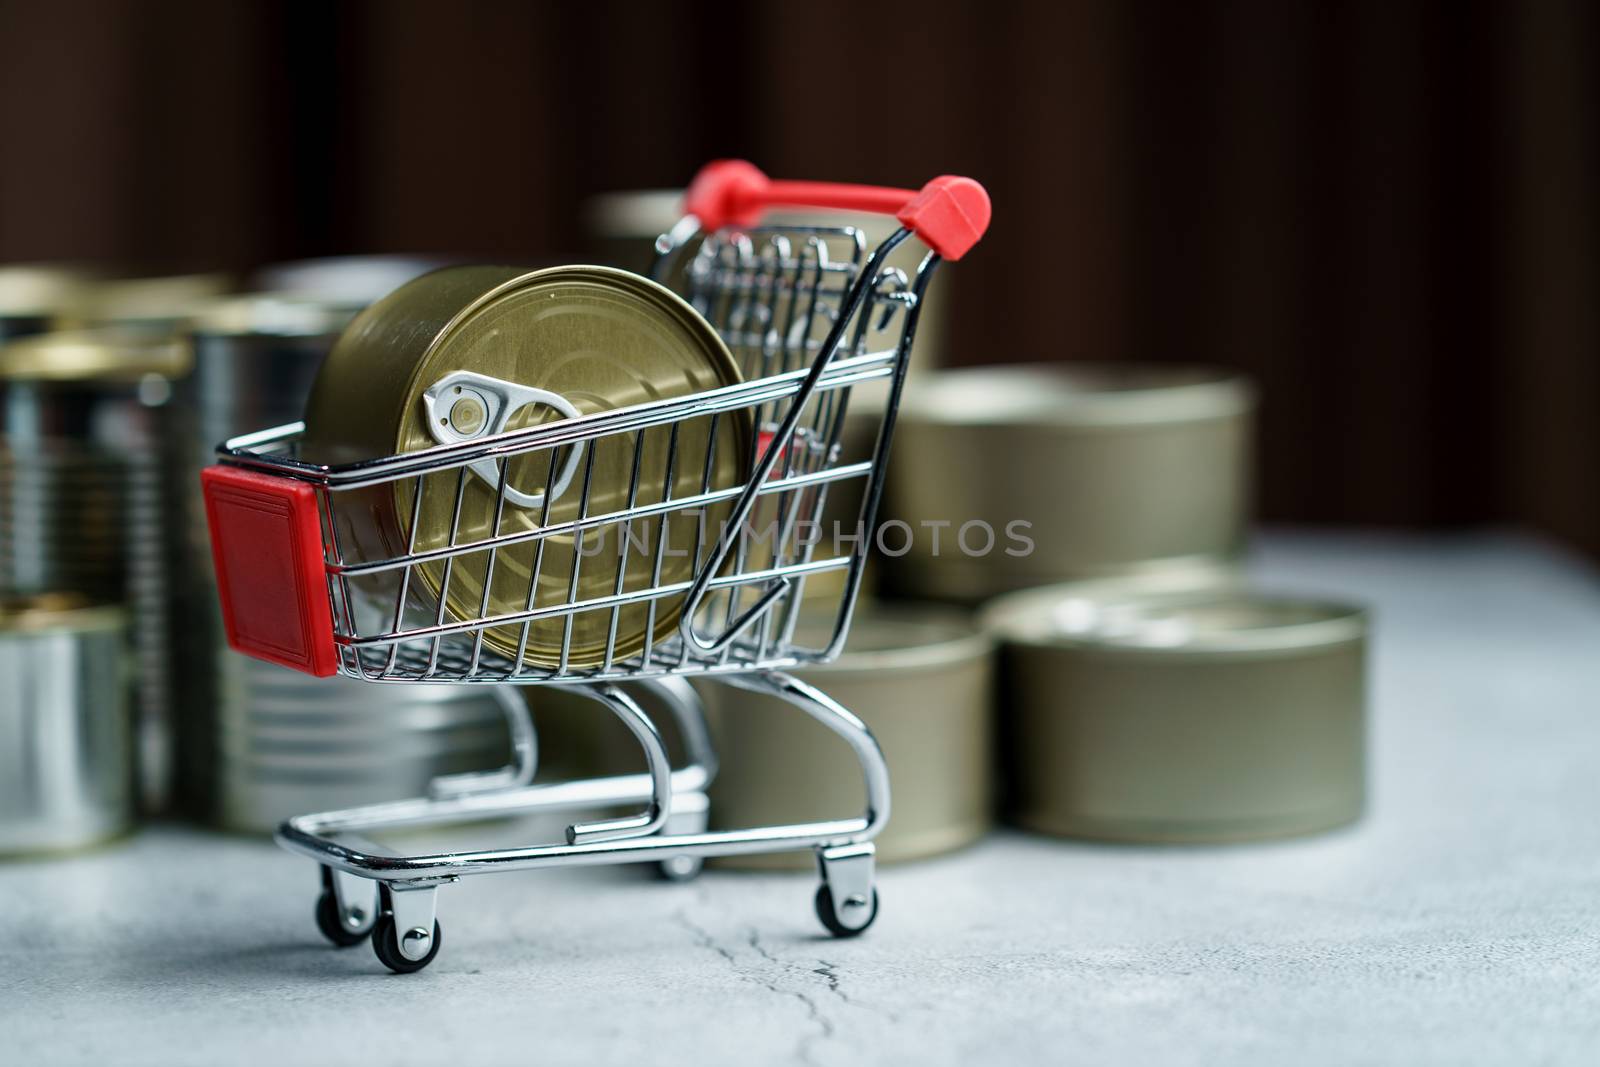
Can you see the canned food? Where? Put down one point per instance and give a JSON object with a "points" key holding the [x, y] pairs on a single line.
{"points": [[1006, 478], [32, 295], [255, 357], [921, 678], [86, 445], [285, 743], [66, 766], [1207, 715], [579, 340]]}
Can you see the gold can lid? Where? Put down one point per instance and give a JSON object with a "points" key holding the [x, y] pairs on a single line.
{"points": [[57, 611], [597, 338], [1075, 395], [1215, 619], [92, 355], [271, 315]]}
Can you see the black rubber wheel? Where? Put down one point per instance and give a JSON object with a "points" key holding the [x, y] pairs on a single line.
{"points": [[386, 946], [680, 869], [330, 923], [830, 919]]}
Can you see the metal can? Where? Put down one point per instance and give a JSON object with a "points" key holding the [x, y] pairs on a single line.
{"points": [[922, 679], [66, 765], [255, 357], [1206, 715], [1006, 478], [580, 339], [286, 743], [86, 503], [32, 295]]}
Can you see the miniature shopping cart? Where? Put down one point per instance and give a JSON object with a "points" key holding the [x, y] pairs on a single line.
{"points": [[814, 317]]}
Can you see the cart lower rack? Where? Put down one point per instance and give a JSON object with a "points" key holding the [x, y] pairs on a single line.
{"points": [[711, 499]]}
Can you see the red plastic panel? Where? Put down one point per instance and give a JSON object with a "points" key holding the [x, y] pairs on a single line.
{"points": [[266, 543]]}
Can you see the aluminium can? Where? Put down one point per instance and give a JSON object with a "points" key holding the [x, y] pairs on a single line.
{"points": [[1207, 714], [258, 743], [255, 356], [66, 753], [86, 502], [596, 337], [1006, 478], [285, 743], [922, 679]]}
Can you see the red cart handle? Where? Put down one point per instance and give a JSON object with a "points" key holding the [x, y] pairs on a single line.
{"points": [[949, 214]]}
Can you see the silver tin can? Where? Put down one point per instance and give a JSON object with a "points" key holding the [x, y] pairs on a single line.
{"points": [[66, 760], [1006, 478], [1206, 715], [85, 502], [921, 678], [286, 744], [258, 743]]}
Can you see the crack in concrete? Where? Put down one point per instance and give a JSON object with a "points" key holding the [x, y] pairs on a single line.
{"points": [[804, 1049]]}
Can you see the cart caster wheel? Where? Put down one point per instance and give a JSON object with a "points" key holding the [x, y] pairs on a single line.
{"points": [[386, 946], [680, 868], [331, 923], [830, 918]]}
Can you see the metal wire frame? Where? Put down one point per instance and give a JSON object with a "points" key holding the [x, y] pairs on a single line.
{"points": [[799, 319]]}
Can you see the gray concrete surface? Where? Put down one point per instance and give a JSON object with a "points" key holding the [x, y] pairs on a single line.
{"points": [[1455, 925]]}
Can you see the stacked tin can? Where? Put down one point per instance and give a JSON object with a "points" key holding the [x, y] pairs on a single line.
{"points": [[1150, 693], [85, 446], [259, 743]]}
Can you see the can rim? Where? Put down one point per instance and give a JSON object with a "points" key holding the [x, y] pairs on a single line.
{"points": [[1113, 618], [1077, 395]]}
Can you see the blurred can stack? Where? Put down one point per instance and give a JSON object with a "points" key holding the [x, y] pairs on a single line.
{"points": [[86, 440], [1147, 691], [259, 743]]}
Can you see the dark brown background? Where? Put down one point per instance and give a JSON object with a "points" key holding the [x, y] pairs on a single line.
{"points": [[1384, 211]]}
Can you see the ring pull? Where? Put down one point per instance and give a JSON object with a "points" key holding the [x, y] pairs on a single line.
{"points": [[464, 406]]}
